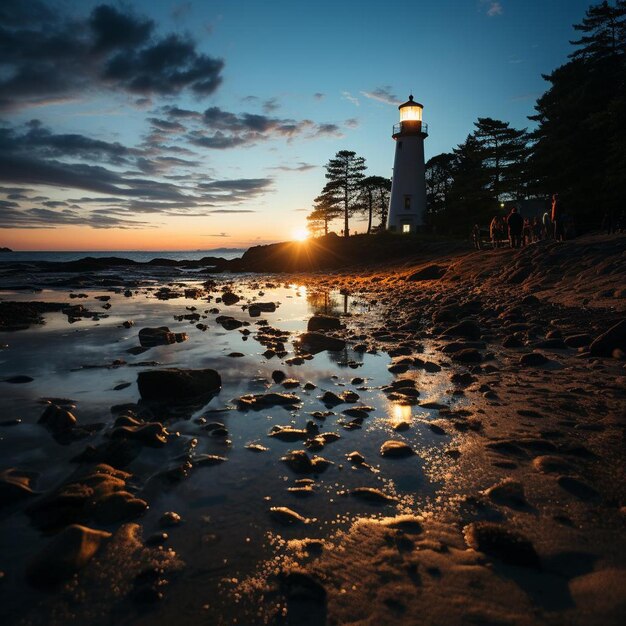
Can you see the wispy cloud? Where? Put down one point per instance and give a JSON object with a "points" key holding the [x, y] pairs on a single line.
{"points": [[346, 95], [382, 94], [491, 7]]}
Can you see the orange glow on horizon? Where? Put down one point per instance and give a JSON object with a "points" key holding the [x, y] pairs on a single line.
{"points": [[300, 234]]}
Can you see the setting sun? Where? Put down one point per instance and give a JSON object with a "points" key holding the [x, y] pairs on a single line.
{"points": [[300, 234]]}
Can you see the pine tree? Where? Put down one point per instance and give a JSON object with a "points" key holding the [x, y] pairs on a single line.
{"points": [[324, 211], [439, 178], [344, 174], [604, 28], [505, 153], [375, 198]]}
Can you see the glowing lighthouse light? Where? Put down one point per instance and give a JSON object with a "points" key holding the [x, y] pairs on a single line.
{"points": [[408, 188]]}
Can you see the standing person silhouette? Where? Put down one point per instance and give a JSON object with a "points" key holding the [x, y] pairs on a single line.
{"points": [[516, 227], [557, 218]]}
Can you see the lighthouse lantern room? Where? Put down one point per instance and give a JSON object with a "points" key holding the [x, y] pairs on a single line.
{"points": [[408, 188]]}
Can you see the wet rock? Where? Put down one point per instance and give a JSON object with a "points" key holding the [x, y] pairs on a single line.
{"points": [[256, 447], [369, 494], [509, 492], [613, 339], [300, 462], [177, 384], [466, 328], [324, 322], [67, 553], [161, 336], [278, 376], [57, 419], [396, 449], [430, 272], [467, 355], [512, 342], [208, 460], [532, 359], [500, 542], [551, 344], [151, 434], [15, 485], [287, 433], [316, 342], [169, 519], [228, 323], [263, 400], [229, 298], [286, 516], [118, 507]]}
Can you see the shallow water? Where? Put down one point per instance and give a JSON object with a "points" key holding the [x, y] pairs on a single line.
{"points": [[226, 528]]}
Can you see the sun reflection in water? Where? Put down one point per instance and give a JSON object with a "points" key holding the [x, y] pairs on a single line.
{"points": [[399, 414]]}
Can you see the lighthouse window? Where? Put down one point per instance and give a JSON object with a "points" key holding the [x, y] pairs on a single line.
{"points": [[407, 202], [406, 228]]}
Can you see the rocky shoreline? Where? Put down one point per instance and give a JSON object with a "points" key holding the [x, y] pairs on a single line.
{"points": [[519, 453]]}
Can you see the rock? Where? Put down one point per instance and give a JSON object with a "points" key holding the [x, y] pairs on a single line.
{"points": [[548, 464], [228, 323], [512, 342], [177, 384], [118, 507], [355, 457], [532, 359], [578, 341], [613, 339], [264, 400], [67, 553], [467, 355], [170, 519], [555, 343], [530, 300], [316, 342], [396, 449], [300, 462], [500, 542], [208, 460], [229, 298], [57, 419], [430, 272], [15, 485], [287, 433], [161, 336], [286, 516], [369, 494], [466, 328], [278, 376], [509, 493], [256, 447], [324, 322], [151, 434]]}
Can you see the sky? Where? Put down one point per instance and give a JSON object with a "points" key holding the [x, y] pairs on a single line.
{"points": [[191, 125]]}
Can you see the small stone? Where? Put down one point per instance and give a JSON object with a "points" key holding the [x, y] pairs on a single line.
{"points": [[500, 542], [396, 449], [170, 519]]}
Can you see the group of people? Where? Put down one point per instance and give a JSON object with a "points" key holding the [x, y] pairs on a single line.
{"points": [[518, 231]]}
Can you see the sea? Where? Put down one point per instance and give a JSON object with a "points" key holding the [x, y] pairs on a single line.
{"points": [[141, 256]]}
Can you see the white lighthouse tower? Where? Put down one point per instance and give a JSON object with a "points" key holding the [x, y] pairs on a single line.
{"points": [[408, 188]]}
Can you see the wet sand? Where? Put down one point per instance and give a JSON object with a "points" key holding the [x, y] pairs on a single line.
{"points": [[507, 508]]}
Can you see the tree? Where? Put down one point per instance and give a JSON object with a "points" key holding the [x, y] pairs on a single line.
{"points": [[375, 198], [578, 149], [440, 171], [505, 153], [324, 211], [344, 174]]}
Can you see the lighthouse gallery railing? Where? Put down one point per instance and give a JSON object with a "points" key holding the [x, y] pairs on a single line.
{"points": [[397, 128]]}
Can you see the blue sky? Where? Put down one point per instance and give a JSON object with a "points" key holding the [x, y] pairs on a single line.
{"points": [[296, 82]]}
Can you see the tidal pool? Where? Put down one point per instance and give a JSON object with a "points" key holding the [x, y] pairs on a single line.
{"points": [[227, 529]]}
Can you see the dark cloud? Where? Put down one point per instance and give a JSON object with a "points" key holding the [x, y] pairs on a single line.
{"points": [[48, 218], [319, 96], [269, 106], [239, 185], [232, 211], [48, 58], [113, 29]]}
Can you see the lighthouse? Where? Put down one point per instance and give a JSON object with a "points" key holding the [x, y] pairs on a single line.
{"points": [[408, 187]]}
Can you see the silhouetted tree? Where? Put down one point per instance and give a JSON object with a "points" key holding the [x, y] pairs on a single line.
{"points": [[344, 174], [375, 198], [579, 146], [505, 152], [324, 211], [439, 178]]}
